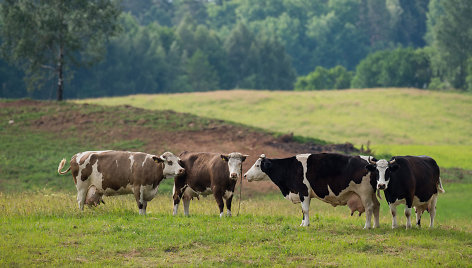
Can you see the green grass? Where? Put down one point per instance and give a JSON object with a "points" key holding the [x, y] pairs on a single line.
{"points": [[46, 229], [394, 121], [41, 225]]}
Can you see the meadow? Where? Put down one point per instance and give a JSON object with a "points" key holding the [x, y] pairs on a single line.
{"points": [[391, 121], [42, 226], [45, 228]]}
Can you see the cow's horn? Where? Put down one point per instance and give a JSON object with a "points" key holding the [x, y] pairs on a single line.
{"points": [[262, 156], [391, 161], [372, 161]]}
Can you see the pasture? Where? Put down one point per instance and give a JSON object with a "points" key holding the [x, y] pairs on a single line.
{"points": [[393, 121], [41, 224]]}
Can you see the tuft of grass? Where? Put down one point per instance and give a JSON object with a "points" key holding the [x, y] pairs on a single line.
{"points": [[394, 121]]}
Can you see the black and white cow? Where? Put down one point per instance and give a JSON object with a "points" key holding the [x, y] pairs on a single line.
{"points": [[410, 180], [333, 178]]}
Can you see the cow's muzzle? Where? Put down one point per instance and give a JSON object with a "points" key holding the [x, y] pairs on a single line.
{"points": [[381, 186], [181, 171], [233, 175]]}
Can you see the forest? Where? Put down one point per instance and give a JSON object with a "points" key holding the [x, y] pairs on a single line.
{"points": [[166, 46]]}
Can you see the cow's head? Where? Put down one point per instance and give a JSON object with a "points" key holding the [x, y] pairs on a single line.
{"points": [[235, 162], [171, 162], [384, 169], [258, 171]]}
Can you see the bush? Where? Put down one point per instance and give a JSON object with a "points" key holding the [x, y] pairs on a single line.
{"points": [[402, 67], [322, 78]]}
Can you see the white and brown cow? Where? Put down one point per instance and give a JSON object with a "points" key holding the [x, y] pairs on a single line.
{"points": [[98, 173], [207, 173], [410, 180], [333, 178]]}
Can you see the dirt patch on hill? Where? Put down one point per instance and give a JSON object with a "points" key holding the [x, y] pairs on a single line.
{"points": [[108, 126]]}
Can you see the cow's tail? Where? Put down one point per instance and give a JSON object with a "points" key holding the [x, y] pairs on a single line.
{"points": [[440, 187], [61, 166]]}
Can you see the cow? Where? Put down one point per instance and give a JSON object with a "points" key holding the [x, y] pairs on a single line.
{"points": [[207, 173], [410, 180], [98, 173], [333, 178]]}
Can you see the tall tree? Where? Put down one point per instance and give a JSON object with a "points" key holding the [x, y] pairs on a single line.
{"points": [[50, 35], [451, 35]]}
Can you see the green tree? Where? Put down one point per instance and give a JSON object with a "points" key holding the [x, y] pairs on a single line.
{"points": [[451, 39], [51, 35], [201, 74]]}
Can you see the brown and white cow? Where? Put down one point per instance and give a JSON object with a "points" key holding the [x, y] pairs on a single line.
{"points": [[207, 173], [98, 173], [333, 178]]}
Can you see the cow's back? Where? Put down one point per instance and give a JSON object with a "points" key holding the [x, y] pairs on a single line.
{"points": [[334, 170], [421, 172], [201, 169]]}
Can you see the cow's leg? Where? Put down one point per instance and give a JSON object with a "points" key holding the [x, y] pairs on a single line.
{"points": [[305, 210], [376, 211], [219, 201], [82, 189], [419, 212], [176, 196], [432, 210], [228, 205], [408, 216], [393, 210], [370, 207], [138, 193], [186, 201]]}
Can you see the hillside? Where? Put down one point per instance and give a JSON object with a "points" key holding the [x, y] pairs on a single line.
{"points": [[36, 135], [393, 121]]}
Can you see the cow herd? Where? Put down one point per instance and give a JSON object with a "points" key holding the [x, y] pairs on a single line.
{"points": [[333, 178]]}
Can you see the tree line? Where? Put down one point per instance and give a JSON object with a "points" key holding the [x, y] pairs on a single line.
{"points": [[157, 46]]}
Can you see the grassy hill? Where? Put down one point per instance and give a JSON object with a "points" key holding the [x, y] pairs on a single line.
{"points": [[393, 121]]}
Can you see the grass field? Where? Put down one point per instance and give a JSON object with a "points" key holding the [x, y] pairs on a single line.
{"points": [[394, 121], [46, 228], [42, 226]]}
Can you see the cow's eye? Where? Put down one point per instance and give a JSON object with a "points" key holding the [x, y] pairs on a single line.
{"points": [[169, 163], [257, 165]]}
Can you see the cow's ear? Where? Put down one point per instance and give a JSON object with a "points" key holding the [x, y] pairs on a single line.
{"points": [[243, 158], [157, 159], [393, 167], [225, 157], [370, 167]]}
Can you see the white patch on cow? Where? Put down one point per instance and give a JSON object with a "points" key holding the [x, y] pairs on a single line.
{"points": [[148, 156], [222, 214], [228, 194], [228, 213], [141, 194], [255, 173], [408, 217], [131, 159], [116, 162], [382, 166], [306, 211], [293, 197], [148, 192], [174, 212]]}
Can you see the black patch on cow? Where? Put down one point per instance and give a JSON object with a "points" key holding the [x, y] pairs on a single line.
{"points": [[411, 176], [140, 205], [287, 174], [335, 171]]}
